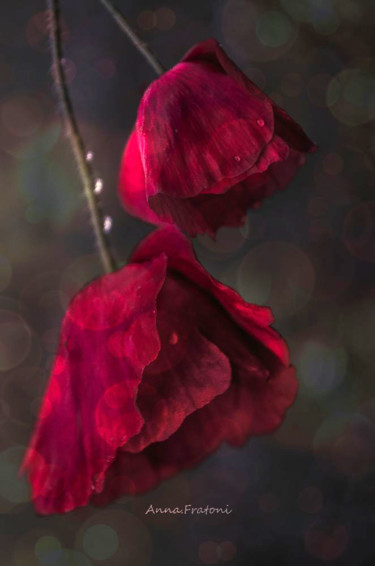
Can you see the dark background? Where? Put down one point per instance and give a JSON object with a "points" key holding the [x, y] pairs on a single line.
{"points": [[305, 495]]}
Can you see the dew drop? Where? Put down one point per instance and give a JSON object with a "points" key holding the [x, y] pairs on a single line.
{"points": [[98, 186], [237, 158], [173, 338], [89, 156], [260, 122], [107, 225]]}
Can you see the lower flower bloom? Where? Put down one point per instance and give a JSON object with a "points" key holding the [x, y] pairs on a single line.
{"points": [[158, 364]]}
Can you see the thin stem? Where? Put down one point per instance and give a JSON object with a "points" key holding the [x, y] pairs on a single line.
{"points": [[139, 44], [76, 140]]}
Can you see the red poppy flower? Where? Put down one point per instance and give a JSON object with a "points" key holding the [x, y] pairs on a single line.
{"points": [[208, 144], [158, 364]]}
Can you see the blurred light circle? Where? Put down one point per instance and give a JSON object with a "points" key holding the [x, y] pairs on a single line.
{"points": [[273, 29], [37, 31], [5, 73], [5, 272], [146, 20], [227, 551], [48, 549], [334, 266], [106, 67], [359, 325], [318, 206], [24, 552], [359, 231], [353, 453], [34, 147], [299, 10], [19, 388], [60, 202], [40, 300], [326, 542], [15, 340], [100, 542], [33, 214], [69, 557], [292, 84], [228, 241], [247, 28], [279, 275], [335, 188], [165, 18], [327, 25], [369, 158], [350, 10], [21, 115], [351, 97], [319, 229], [4, 411], [132, 546], [310, 500], [317, 89], [333, 163], [348, 440], [268, 502], [12, 487], [208, 552], [322, 368]]}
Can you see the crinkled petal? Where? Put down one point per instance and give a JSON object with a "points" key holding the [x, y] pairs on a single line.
{"points": [[108, 337], [285, 127], [206, 213], [204, 129], [181, 258], [248, 407], [198, 130]]}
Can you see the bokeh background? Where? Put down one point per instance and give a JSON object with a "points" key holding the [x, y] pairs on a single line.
{"points": [[307, 494]]}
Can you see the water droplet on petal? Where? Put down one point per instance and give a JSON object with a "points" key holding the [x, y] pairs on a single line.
{"points": [[98, 186], [107, 225], [89, 156], [237, 158], [173, 339], [260, 122]]}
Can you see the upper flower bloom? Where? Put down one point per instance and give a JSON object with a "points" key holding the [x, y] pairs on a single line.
{"points": [[208, 144], [158, 363]]}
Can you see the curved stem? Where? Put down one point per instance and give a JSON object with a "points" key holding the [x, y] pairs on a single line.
{"points": [[139, 44], [76, 140]]}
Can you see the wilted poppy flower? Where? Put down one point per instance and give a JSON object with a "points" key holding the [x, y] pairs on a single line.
{"points": [[158, 363], [208, 144]]}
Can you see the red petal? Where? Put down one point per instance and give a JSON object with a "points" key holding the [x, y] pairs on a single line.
{"points": [[198, 130], [190, 370], [132, 183], [89, 408], [181, 258], [248, 407]]}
